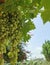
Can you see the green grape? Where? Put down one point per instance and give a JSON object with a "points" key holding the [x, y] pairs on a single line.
{"points": [[15, 44], [13, 59], [6, 42], [10, 54]]}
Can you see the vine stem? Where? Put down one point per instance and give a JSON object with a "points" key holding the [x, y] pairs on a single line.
{"points": [[1, 59]]}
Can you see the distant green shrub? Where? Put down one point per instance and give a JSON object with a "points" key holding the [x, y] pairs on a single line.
{"points": [[46, 50]]}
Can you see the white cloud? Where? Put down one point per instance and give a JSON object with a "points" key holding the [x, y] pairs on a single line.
{"points": [[36, 53]]}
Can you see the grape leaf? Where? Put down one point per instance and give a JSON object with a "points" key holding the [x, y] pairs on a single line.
{"points": [[46, 13], [26, 28]]}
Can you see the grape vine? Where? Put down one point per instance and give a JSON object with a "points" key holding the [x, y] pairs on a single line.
{"points": [[13, 26]]}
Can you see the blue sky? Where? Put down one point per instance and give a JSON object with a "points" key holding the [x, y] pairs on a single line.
{"points": [[38, 37]]}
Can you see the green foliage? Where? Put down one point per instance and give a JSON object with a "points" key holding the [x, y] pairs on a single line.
{"points": [[33, 62], [27, 26], [22, 54], [13, 26], [46, 13], [46, 50]]}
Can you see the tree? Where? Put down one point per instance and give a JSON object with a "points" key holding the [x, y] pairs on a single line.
{"points": [[15, 23], [46, 50]]}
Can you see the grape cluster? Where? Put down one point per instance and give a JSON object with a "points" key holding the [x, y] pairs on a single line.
{"points": [[10, 29], [9, 25]]}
